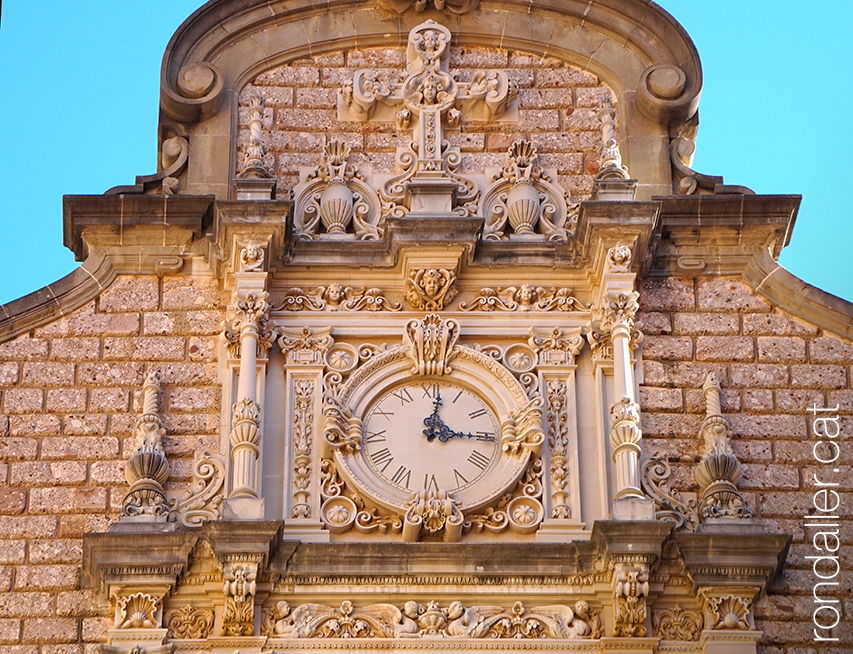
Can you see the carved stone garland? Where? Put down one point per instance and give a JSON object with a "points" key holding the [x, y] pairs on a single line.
{"points": [[522, 203], [334, 202], [427, 178], [147, 469], [303, 428]]}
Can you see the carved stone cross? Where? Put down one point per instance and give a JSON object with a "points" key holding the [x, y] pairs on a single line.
{"points": [[425, 101]]}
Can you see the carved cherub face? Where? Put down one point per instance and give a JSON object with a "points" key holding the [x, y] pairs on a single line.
{"points": [[430, 43], [334, 294], [526, 294], [432, 283], [429, 89]]}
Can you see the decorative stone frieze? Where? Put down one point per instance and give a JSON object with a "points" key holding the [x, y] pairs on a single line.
{"points": [[558, 443], [147, 469], [303, 436], [523, 203], [432, 620], [334, 202], [719, 469], [524, 298]]}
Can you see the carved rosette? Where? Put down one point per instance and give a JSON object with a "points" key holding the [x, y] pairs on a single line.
{"points": [[629, 603], [430, 289], [334, 202], [677, 624], [719, 470], [239, 590], [147, 469], [189, 623], [138, 611], [523, 203]]}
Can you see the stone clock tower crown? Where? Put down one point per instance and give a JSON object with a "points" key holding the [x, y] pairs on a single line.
{"points": [[430, 220]]}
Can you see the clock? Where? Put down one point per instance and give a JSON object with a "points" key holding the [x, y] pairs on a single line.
{"points": [[432, 432], [430, 435]]}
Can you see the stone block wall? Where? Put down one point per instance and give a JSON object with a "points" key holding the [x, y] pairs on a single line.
{"points": [[70, 396], [558, 108], [773, 368]]}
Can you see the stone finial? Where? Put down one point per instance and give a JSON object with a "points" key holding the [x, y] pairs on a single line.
{"points": [[611, 158], [147, 469], [253, 165], [719, 469]]}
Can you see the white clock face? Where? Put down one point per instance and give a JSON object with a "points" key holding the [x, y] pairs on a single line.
{"points": [[430, 436]]}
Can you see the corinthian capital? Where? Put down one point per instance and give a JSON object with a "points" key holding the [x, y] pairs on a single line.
{"points": [[618, 310]]}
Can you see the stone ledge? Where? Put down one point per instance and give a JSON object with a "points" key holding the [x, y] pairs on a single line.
{"points": [[55, 300]]}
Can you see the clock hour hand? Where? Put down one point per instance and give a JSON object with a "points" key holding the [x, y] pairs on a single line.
{"points": [[435, 427]]}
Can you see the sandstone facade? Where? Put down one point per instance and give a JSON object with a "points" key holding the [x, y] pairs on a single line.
{"points": [[307, 250]]}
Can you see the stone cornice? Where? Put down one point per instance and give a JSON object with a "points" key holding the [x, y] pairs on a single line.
{"points": [[788, 292], [57, 299]]}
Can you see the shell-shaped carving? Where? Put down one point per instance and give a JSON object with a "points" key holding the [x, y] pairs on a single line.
{"points": [[523, 153], [138, 611], [523, 208], [146, 465], [718, 466], [336, 207]]}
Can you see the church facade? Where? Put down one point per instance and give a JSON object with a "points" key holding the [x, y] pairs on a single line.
{"points": [[426, 336]]}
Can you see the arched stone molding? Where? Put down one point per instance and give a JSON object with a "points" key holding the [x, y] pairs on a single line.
{"points": [[633, 46]]}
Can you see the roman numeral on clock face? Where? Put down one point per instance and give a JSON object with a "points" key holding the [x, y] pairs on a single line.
{"points": [[430, 483], [430, 390], [477, 413], [478, 459], [402, 476], [382, 458], [460, 480], [403, 395], [374, 437]]}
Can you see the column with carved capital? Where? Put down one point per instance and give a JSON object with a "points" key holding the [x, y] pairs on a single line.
{"points": [[618, 303], [246, 332]]}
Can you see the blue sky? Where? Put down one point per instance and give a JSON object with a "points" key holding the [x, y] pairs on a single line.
{"points": [[80, 116]]}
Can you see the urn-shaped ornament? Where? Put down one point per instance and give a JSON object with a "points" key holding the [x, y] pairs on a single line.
{"points": [[336, 206]]}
